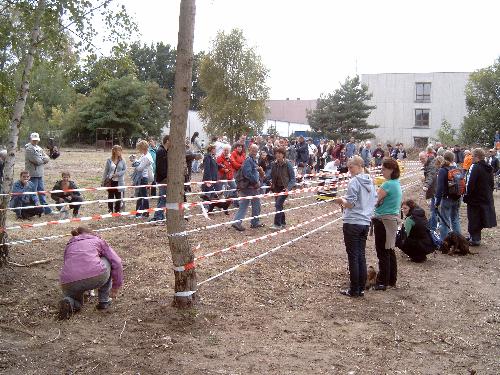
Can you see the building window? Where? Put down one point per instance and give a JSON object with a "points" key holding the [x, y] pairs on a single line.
{"points": [[420, 142], [423, 92], [422, 117]]}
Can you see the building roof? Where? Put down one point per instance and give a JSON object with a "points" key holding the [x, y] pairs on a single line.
{"points": [[293, 111]]}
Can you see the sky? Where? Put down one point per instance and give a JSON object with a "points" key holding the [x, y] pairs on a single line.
{"points": [[310, 46]]}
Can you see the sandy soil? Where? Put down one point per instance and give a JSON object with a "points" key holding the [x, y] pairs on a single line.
{"points": [[280, 315]]}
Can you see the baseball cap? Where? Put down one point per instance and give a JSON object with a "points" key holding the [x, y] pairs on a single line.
{"points": [[35, 137]]}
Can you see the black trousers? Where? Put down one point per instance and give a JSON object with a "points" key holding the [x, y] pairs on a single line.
{"points": [[114, 194], [387, 263]]}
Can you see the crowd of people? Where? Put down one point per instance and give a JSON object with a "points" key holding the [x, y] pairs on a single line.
{"points": [[251, 166]]}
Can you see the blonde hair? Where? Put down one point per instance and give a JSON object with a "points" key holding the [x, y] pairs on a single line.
{"points": [[114, 151], [142, 146], [356, 160], [439, 161]]}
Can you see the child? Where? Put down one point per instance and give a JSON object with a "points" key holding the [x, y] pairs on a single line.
{"points": [[135, 175]]}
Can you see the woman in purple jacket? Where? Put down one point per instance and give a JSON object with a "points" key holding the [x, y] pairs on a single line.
{"points": [[89, 263]]}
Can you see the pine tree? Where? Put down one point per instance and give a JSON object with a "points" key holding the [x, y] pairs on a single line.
{"points": [[343, 114]]}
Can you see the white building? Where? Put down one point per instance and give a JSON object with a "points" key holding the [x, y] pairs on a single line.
{"points": [[194, 124], [412, 106]]}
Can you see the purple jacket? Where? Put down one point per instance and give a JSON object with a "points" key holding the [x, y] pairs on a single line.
{"points": [[82, 260]]}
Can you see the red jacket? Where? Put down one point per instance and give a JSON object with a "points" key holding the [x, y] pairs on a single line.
{"points": [[237, 159], [226, 171]]}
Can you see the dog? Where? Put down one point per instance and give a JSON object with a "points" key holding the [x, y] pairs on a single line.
{"points": [[455, 243], [371, 278], [222, 205]]}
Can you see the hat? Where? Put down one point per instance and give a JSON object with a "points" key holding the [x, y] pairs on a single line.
{"points": [[34, 137]]}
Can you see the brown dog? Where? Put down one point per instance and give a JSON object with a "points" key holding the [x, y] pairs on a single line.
{"points": [[455, 243], [371, 278]]}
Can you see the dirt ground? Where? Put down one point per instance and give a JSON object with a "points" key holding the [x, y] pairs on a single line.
{"points": [[282, 314]]}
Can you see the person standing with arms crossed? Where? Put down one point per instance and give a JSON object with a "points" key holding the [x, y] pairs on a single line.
{"points": [[34, 160]]}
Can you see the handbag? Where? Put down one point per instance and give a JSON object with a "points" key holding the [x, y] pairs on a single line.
{"points": [[108, 182], [401, 237]]}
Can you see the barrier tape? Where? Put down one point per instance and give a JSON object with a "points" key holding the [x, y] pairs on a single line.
{"points": [[98, 217], [169, 206], [185, 267], [123, 187], [47, 238], [262, 255]]}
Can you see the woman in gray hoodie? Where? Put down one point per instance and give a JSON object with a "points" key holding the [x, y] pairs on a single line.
{"points": [[359, 203]]}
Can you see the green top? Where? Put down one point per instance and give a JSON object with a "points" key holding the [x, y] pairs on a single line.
{"points": [[392, 201], [409, 223]]}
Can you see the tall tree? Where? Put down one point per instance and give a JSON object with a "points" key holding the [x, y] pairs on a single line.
{"points": [[182, 254], [124, 104], [37, 29], [234, 80], [482, 95], [343, 114]]}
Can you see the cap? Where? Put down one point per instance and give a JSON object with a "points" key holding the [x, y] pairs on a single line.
{"points": [[35, 137]]}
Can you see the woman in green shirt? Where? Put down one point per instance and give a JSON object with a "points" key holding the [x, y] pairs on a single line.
{"points": [[385, 224]]}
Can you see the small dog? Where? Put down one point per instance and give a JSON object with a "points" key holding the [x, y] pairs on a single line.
{"points": [[371, 278], [455, 243], [222, 205]]}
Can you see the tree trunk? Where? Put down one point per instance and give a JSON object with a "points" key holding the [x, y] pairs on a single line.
{"points": [[182, 254], [15, 124]]}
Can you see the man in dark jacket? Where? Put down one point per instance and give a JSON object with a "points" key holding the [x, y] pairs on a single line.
{"points": [[302, 155], [429, 185], [161, 164], [282, 178], [250, 183], [459, 155], [493, 161], [479, 197]]}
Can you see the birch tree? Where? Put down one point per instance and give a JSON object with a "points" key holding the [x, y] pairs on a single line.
{"points": [[49, 22]]}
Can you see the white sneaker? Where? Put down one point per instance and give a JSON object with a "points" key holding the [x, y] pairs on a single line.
{"points": [[276, 227]]}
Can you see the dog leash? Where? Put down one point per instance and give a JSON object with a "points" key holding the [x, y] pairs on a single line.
{"points": [[442, 218]]}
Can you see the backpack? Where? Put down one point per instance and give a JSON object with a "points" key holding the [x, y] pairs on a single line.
{"points": [[456, 183], [241, 181]]}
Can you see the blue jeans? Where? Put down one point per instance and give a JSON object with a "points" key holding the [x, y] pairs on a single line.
{"points": [[162, 202], [73, 292], [232, 194], [279, 217], [39, 186], [244, 203], [449, 210], [196, 166], [355, 242], [142, 204], [433, 215]]}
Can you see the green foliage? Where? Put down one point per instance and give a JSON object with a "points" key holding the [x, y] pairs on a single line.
{"points": [[157, 63], [483, 106], [99, 69], [234, 80], [343, 114], [446, 134], [125, 104]]}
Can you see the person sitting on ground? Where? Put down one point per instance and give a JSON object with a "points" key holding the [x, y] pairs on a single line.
{"points": [[19, 199], [89, 263], [418, 242], [67, 196]]}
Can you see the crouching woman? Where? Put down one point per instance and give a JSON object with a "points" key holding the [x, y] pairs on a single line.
{"points": [[89, 263], [418, 241], [359, 202]]}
